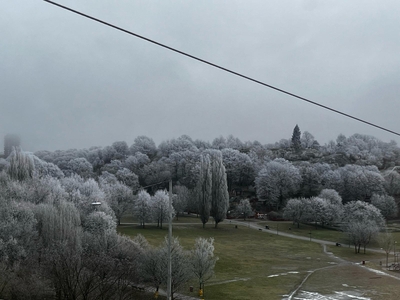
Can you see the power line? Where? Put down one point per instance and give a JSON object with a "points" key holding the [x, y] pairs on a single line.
{"points": [[222, 68]]}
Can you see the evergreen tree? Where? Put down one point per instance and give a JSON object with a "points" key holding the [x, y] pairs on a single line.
{"points": [[296, 141]]}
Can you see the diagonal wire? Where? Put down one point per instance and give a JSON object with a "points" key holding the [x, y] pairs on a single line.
{"points": [[222, 68]]}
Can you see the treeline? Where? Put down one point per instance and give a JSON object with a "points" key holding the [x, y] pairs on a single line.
{"points": [[356, 166]]}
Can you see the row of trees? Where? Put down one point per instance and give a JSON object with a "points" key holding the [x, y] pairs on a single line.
{"points": [[246, 163], [362, 221], [197, 263], [279, 180]]}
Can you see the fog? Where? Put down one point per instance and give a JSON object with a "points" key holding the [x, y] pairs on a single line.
{"points": [[68, 82]]}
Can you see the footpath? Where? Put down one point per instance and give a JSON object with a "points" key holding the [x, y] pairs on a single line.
{"points": [[323, 243]]}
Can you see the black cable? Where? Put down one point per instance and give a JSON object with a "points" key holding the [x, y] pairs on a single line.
{"points": [[222, 68]]}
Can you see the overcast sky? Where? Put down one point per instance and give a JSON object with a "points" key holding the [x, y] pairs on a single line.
{"points": [[68, 82]]}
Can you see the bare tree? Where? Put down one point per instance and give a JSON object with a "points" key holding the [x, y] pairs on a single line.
{"points": [[180, 272], [160, 207], [387, 243], [244, 208], [202, 260], [142, 207]]}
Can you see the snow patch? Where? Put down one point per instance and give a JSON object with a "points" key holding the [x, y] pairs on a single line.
{"points": [[305, 295]]}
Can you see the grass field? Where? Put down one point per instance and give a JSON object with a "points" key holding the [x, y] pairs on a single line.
{"points": [[259, 265]]}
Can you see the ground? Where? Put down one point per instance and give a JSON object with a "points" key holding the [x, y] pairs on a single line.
{"points": [[255, 263]]}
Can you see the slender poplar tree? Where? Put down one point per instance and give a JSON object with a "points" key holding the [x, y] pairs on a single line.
{"points": [[219, 189], [203, 189]]}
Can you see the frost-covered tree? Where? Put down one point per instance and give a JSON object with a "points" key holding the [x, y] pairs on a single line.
{"points": [[43, 168], [234, 143], [17, 233], [112, 167], [331, 195], [296, 210], [145, 145], [160, 207], [239, 167], [181, 199], [142, 208], [361, 233], [156, 174], [119, 197], [386, 241], [361, 221], [311, 179], [307, 140], [244, 208], [386, 204], [84, 193], [183, 166], [202, 260], [219, 143], [219, 188], [392, 184], [79, 166], [181, 272], [204, 188], [151, 266], [277, 181], [128, 178], [183, 143], [59, 223], [99, 224], [359, 182], [121, 147], [361, 211], [107, 178], [21, 165]]}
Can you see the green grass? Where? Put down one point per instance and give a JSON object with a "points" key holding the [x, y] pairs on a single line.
{"points": [[246, 254], [250, 256]]}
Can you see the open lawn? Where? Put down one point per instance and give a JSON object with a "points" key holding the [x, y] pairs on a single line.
{"points": [[260, 265], [322, 233]]}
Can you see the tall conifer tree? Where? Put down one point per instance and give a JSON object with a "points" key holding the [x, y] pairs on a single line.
{"points": [[296, 142]]}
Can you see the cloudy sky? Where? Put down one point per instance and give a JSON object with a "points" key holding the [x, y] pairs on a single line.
{"points": [[68, 82]]}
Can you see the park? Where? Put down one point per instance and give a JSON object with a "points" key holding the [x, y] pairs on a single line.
{"points": [[259, 263]]}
